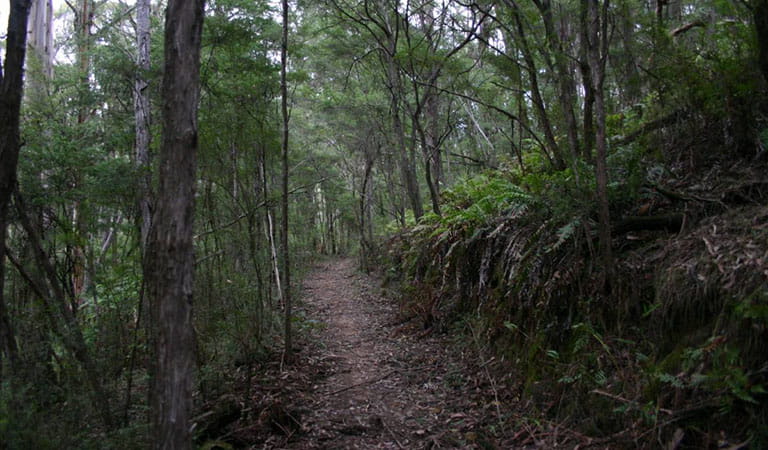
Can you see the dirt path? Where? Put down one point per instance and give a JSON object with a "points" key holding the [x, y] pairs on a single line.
{"points": [[374, 385]]}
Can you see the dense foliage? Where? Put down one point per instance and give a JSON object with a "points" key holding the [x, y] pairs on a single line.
{"points": [[581, 184]]}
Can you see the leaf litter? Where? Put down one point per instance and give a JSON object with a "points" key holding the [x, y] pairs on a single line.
{"points": [[365, 378]]}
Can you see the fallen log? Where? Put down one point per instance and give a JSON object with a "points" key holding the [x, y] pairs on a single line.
{"points": [[672, 223]]}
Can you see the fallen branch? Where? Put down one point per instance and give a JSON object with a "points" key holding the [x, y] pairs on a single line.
{"points": [[662, 122], [682, 29], [669, 222], [672, 195], [624, 400], [394, 436], [362, 383]]}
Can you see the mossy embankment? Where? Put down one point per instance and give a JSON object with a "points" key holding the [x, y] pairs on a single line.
{"points": [[672, 353]]}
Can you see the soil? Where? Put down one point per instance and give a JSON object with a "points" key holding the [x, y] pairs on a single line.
{"points": [[365, 379]]}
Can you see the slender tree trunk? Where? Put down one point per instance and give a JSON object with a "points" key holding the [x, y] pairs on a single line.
{"points": [[538, 101], [288, 351], [170, 268], [597, 58], [41, 45], [407, 170], [142, 118], [142, 162], [365, 208], [65, 325], [83, 24], [564, 80], [11, 90], [589, 90]]}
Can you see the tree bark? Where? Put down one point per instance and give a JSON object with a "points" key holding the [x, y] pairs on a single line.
{"points": [[11, 91], [170, 265], [41, 45]]}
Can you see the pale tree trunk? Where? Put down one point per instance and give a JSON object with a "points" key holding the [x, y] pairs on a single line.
{"points": [[170, 268], [269, 229], [11, 89], [288, 350], [41, 44], [598, 52], [84, 15], [586, 77], [142, 162], [141, 107]]}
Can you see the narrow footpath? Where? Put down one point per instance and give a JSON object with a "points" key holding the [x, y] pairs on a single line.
{"points": [[378, 384], [385, 388], [364, 377]]}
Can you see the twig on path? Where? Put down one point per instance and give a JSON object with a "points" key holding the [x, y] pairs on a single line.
{"points": [[372, 380], [394, 436], [377, 379]]}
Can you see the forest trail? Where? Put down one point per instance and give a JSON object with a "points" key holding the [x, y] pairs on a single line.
{"points": [[376, 385]]}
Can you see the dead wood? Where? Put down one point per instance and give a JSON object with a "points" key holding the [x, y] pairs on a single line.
{"points": [[662, 122], [688, 26], [669, 222], [362, 383]]}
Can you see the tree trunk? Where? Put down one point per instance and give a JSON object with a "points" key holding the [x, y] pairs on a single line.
{"points": [[365, 214], [65, 324], [564, 81], [288, 350], [170, 268], [407, 170], [597, 58], [589, 90], [141, 107], [41, 46], [11, 90], [760, 15], [538, 101]]}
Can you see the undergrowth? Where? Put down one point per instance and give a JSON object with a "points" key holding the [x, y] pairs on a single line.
{"points": [[676, 345]]}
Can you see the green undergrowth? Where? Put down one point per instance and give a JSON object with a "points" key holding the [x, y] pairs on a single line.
{"points": [[678, 343]]}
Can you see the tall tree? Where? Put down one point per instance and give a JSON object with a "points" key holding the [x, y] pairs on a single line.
{"points": [[597, 32], [285, 249], [41, 37], [170, 268], [11, 88]]}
